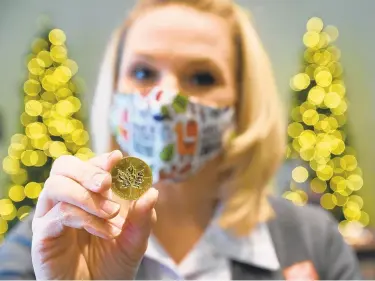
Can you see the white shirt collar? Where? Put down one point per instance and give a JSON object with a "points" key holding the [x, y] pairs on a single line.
{"points": [[256, 249]]}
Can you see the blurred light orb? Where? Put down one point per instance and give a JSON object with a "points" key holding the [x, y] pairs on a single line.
{"points": [[311, 39], [316, 95], [57, 37], [323, 78], [332, 31], [300, 81], [295, 129], [315, 24], [300, 174], [32, 87], [32, 190], [23, 212], [16, 193]]}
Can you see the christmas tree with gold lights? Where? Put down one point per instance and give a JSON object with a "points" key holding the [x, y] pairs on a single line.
{"points": [[318, 136], [52, 125]]}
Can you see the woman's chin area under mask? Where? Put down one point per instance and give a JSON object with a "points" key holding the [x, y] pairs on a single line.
{"points": [[198, 188]]}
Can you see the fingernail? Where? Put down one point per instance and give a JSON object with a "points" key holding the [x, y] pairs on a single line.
{"points": [[115, 231], [110, 207], [99, 179], [154, 193], [117, 221], [112, 153], [144, 200]]}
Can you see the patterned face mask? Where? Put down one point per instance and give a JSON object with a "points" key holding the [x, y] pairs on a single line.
{"points": [[172, 134]]}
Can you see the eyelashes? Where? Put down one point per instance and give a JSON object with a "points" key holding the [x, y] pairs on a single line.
{"points": [[202, 79], [143, 74], [147, 75]]}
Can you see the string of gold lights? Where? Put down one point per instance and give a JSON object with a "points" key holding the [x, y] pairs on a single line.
{"points": [[51, 126], [318, 133]]}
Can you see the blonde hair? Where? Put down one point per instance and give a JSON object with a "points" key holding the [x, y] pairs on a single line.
{"points": [[255, 152]]}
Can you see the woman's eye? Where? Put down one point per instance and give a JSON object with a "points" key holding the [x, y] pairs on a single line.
{"points": [[203, 79], [143, 74]]}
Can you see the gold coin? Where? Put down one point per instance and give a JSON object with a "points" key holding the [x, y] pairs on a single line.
{"points": [[131, 177]]}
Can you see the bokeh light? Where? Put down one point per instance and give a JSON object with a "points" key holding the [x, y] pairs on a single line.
{"points": [[300, 174], [317, 131], [50, 126]]}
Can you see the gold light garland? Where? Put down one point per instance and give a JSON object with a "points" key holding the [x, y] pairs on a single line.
{"points": [[51, 126], [317, 132]]}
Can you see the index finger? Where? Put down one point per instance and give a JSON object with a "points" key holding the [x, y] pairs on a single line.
{"points": [[107, 161], [88, 175]]}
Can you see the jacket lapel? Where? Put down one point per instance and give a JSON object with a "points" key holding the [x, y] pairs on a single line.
{"points": [[242, 271], [287, 241]]}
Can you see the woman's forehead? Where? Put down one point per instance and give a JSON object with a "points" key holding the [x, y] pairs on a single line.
{"points": [[180, 31]]}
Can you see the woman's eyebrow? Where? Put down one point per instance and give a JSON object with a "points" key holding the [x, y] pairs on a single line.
{"points": [[188, 58], [189, 62]]}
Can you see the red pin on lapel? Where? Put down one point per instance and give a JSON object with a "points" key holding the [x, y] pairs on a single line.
{"points": [[301, 271]]}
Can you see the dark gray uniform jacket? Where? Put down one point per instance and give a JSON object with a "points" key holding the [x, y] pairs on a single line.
{"points": [[302, 235]]}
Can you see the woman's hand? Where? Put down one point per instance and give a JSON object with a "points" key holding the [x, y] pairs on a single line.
{"points": [[78, 231]]}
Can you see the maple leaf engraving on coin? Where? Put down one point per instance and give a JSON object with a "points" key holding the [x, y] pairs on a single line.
{"points": [[131, 177]]}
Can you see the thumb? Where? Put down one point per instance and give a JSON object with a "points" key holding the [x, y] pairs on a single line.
{"points": [[137, 228]]}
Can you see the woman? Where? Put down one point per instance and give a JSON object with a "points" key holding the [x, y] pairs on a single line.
{"points": [[213, 150]]}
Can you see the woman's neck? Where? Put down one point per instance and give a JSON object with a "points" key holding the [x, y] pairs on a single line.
{"points": [[184, 210], [192, 198], [184, 203]]}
